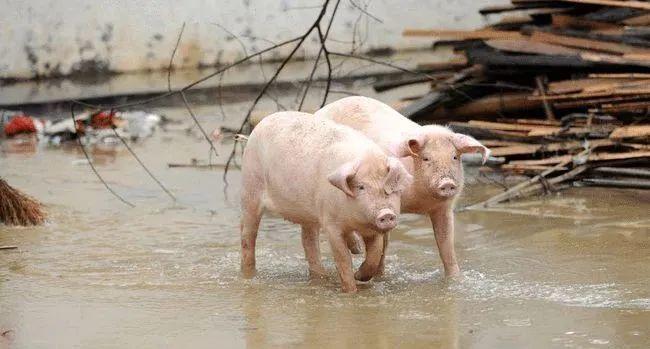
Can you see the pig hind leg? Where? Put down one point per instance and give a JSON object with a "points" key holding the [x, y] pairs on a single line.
{"points": [[354, 243], [250, 221], [374, 255], [382, 262], [312, 251]]}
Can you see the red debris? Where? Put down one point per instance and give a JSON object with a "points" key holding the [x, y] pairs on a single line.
{"points": [[103, 119], [20, 124]]}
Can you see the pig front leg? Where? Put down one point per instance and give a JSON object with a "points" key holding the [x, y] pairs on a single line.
{"points": [[374, 251], [443, 229], [343, 259], [312, 251]]}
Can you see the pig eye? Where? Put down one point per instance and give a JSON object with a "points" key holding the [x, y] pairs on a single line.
{"points": [[425, 159], [455, 157], [361, 187]]}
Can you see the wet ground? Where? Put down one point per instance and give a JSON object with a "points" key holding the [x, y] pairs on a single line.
{"points": [[568, 270]]}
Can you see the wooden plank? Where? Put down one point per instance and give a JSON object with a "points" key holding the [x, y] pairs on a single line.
{"points": [[587, 44], [576, 85], [592, 157], [615, 85], [619, 183], [551, 147], [621, 76], [452, 64], [510, 127], [510, 8], [612, 59], [604, 129], [463, 34], [635, 91], [641, 5], [594, 101], [641, 20], [529, 46], [490, 105], [637, 56], [642, 107], [538, 122], [631, 132], [636, 172], [499, 143], [463, 127], [527, 169], [560, 20]]}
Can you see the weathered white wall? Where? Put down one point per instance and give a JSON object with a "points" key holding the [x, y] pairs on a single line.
{"points": [[61, 37]]}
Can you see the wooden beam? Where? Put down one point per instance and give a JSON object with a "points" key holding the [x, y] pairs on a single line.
{"points": [[641, 20], [551, 147], [530, 46], [635, 172], [592, 157], [587, 44], [641, 5], [463, 34], [631, 132], [560, 20], [510, 127]]}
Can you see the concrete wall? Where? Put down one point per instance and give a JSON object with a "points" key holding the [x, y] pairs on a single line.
{"points": [[62, 37]]}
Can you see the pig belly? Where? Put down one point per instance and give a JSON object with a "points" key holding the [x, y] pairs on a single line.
{"points": [[290, 209]]}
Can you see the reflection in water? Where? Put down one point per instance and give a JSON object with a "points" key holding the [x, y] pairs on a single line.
{"points": [[563, 270]]}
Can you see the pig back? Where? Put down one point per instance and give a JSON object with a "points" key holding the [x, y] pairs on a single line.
{"points": [[376, 120], [296, 154]]}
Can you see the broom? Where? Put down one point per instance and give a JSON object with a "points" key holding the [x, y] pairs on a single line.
{"points": [[17, 208]]}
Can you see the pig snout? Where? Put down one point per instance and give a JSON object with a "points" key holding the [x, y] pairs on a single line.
{"points": [[446, 187], [386, 220]]}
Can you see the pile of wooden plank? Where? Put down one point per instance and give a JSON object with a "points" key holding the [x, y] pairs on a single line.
{"points": [[559, 79]]}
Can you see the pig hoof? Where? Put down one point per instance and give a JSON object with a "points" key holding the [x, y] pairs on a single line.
{"points": [[362, 276], [350, 289], [317, 274], [452, 272]]}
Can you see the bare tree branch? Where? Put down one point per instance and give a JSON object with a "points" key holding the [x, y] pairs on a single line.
{"points": [[266, 86], [366, 12], [92, 166], [171, 59], [137, 158]]}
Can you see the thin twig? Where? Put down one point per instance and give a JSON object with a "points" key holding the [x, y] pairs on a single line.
{"points": [[186, 87], [83, 149], [171, 59], [189, 110], [363, 10], [137, 158], [270, 82]]}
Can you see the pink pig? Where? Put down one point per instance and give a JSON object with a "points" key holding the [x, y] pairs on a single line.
{"points": [[323, 176], [430, 153]]}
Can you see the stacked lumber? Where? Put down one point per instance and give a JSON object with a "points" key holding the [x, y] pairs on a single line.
{"points": [[560, 78]]}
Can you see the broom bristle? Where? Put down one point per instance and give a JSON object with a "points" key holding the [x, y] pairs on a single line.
{"points": [[17, 208]]}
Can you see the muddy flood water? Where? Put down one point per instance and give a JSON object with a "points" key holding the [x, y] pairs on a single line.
{"points": [[569, 270]]}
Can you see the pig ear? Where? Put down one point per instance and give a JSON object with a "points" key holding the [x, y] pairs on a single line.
{"points": [[342, 176], [467, 144], [411, 145], [398, 178]]}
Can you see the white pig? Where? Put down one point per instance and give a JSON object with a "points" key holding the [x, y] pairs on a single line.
{"points": [[430, 153], [322, 176]]}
